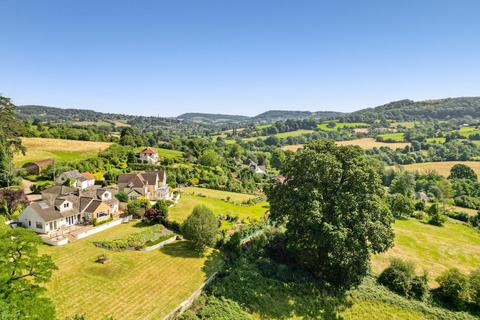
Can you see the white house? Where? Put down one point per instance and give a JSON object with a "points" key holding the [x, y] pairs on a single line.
{"points": [[149, 155], [44, 216], [79, 180]]}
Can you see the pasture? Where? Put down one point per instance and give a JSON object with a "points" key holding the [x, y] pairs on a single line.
{"points": [[436, 140], [432, 248], [58, 149], [364, 143], [131, 285], [341, 125], [216, 201], [395, 137], [468, 131], [442, 168], [282, 135]]}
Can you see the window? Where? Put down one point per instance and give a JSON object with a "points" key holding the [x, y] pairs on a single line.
{"points": [[29, 223], [39, 225], [66, 205], [102, 214]]}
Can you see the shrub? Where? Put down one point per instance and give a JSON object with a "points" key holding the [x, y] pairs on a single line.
{"points": [[122, 197], [436, 216], [201, 228], [99, 223], [401, 205], [400, 278], [453, 288], [40, 186], [475, 287]]}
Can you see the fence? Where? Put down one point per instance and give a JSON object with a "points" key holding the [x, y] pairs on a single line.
{"points": [[188, 302]]}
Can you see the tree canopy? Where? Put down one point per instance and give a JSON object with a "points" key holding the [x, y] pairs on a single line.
{"points": [[332, 207], [201, 228]]}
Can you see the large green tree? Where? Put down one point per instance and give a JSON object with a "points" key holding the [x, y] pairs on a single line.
{"points": [[201, 228], [333, 209], [10, 143], [22, 270], [461, 171]]}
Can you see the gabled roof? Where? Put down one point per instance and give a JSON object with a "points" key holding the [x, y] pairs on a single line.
{"points": [[73, 174], [47, 211], [59, 190], [93, 205], [149, 151], [41, 163], [140, 180], [88, 176]]}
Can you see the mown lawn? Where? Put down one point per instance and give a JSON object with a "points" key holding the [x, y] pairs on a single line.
{"points": [[131, 285], [442, 168], [432, 248], [215, 200], [58, 149]]}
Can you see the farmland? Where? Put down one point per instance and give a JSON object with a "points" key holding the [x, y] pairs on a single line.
{"points": [[341, 125], [165, 153], [216, 201], [433, 248], [295, 133], [121, 286], [395, 137], [442, 168], [364, 143], [58, 149]]}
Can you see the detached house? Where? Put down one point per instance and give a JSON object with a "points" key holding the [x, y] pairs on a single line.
{"points": [[151, 185], [149, 155], [79, 180], [54, 213]]}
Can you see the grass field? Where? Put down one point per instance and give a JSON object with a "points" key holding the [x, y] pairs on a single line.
{"points": [[436, 140], [405, 124], [396, 137], [295, 133], [442, 168], [214, 200], [364, 143], [341, 125], [165, 153], [58, 149], [432, 248], [132, 285], [468, 131]]}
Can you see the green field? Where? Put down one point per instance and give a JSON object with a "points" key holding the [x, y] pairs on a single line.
{"points": [[341, 125], [436, 140], [263, 126], [132, 285], [405, 124], [165, 153], [432, 248], [395, 137], [58, 149], [295, 133], [215, 200], [93, 123], [468, 131]]}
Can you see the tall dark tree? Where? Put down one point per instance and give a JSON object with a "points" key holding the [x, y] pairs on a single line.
{"points": [[22, 270], [332, 206]]}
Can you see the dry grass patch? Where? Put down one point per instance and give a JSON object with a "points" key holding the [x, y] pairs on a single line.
{"points": [[442, 168], [59, 149]]}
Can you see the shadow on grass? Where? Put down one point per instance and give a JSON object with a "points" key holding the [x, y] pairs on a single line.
{"points": [[181, 249]]}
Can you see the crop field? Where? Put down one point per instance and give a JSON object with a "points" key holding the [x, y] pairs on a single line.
{"points": [[131, 285], [58, 149], [295, 133], [364, 143], [468, 131], [216, 201], [432, 248], [396, 137], [340, 125], [442, 168]]}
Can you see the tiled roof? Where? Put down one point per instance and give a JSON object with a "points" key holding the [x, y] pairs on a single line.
{"points": [[148, 150]]}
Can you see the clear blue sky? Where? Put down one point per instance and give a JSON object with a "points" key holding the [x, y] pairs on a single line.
{"points": [[238, 57]]}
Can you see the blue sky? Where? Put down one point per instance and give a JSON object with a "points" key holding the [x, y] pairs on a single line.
{"points": [[237, 57]]}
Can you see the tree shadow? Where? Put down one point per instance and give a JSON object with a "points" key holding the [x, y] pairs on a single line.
{"points": [[180, 249]]}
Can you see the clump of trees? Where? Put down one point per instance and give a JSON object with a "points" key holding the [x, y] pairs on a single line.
{"points": [[201, 228], [333, 210]]}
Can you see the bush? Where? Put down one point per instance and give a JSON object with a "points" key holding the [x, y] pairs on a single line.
{"points": [[41, 185], [436, 216], [122, 197], [475, 287], [99, 223], [400, 278], [453, 288]]}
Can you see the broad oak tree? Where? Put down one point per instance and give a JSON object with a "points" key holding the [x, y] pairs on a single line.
{"points": [[332, 205]]}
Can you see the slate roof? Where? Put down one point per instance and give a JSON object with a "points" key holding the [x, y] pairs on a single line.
{"points": [[60, 190]]}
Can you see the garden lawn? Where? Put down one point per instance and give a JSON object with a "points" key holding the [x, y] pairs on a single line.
{"points": [[59, 150], [434, 249], [131, 285], [442, 168], [214, 200]]}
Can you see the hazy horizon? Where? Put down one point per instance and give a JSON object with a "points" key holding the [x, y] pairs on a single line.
{"points": [[169, 58]]}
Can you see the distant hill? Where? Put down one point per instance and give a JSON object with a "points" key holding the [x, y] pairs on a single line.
{"points": [[407, 110]]}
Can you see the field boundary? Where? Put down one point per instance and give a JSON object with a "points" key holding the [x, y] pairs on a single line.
{"points": [[188, 302]]}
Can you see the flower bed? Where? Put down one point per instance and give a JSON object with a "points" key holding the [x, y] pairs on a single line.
{"points": [[137, 241]]}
